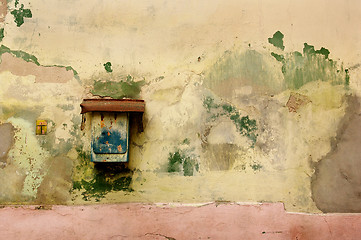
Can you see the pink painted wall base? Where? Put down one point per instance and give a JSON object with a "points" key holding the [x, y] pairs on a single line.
{"points": [[142, 221]]}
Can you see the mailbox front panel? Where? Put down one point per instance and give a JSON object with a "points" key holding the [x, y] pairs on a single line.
{"points": [[110, 137]]}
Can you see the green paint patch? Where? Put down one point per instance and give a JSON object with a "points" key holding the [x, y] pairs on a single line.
{"points": [[323, 51], [1, 34], [277, 40], [246, 68], [69, 68], [311, 65], [31, 58], [108, 66], [278, 57], [127, 88], [19, 54], [20, 14], [180, 161]]}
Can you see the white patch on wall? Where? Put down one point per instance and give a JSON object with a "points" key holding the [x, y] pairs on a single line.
{"points": [[226, 132], [28, 155]]}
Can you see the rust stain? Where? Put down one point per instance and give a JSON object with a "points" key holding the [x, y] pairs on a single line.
{"points": [[42, 74], [120, 149], [102, 124], [108, 133], [112, 105]]}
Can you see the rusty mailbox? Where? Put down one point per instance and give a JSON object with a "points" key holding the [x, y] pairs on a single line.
{"points": [[110, 122]]}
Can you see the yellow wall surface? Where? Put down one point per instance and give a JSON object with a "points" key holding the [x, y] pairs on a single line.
{"points": [[246, 101]]}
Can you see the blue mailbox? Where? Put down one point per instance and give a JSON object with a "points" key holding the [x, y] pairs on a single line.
{"points": [[110, 127]]}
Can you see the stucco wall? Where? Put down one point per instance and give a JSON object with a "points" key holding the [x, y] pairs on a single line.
{"points": [[246, 101]]}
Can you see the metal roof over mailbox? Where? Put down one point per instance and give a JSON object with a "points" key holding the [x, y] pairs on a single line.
{"points": [[112, 105]]}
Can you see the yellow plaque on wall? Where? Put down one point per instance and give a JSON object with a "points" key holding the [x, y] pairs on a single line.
{"points": [[41, 127]]}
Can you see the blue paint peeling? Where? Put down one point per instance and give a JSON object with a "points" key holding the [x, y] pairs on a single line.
{"points": [[109, 141], [110, 137]]}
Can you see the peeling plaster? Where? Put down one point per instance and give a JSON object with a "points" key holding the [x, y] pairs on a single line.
{"points": [[42, 74], [6, 141]]}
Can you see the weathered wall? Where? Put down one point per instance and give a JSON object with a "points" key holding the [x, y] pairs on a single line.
{"points": [[171, 222], [245, 101]]}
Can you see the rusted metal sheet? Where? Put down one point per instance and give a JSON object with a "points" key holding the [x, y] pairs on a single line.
{"points": [[112, 105], [110, 137]]}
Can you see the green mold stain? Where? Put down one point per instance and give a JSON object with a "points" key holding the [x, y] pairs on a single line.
{"points": [[66, 107], [228, 108], [127, 88], [1, 34], [311, 65], [175, 161], [20, 14], [208, 103], [277, 40], [188, 167], [256, 167], [246, 126], [99, 186], [83, 157], [108, 66], [179, 161], [186, 141], [95, 184], [347, 77], [246, 68]]}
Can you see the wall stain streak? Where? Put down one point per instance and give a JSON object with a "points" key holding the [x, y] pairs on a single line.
{"points": [[336, 183]]}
